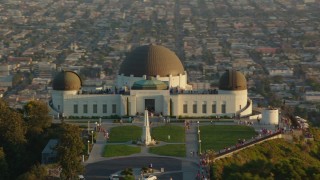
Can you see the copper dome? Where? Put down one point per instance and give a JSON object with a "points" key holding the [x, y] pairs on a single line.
{"points": [[66, 81], [233, 80], [151, 60]]}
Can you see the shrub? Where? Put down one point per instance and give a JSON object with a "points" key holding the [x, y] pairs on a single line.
{"points": [[127, 171]]}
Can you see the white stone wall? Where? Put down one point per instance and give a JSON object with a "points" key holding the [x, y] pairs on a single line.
{"points": [[57, 99], [248, 110], [270, 116], [158, 95], [127, 80], [173, 81], [136, 102], [140, 104], [199, 100], [241, 99], [90, 100]]}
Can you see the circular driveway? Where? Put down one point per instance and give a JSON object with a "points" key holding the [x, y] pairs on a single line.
{"points": [[102, 170]]}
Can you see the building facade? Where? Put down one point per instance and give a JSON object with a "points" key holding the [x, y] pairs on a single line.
{"points": [[152, 77]]}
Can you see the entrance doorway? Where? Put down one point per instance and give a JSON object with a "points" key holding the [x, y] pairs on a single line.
{"points": [[149, 104]]}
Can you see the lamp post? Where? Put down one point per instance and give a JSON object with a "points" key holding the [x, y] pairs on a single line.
{"points": [[199, 142], [88, 147], [88, 126], [199, 139], [91, 137]]}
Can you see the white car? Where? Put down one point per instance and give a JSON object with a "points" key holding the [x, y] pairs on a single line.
{"points": [[150, 177], [114, 177]]}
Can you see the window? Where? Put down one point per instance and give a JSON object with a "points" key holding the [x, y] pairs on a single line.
{"points": [[194, 108], [58, 107], [85, 108], [104, 108], [75, 108], [185, 108], [95, 108], [204, 108], [114, 108], [214, 108], [223, 108]]}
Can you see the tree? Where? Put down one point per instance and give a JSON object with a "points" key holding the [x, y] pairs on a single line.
{"points": [[37, 117], [12, 138], [11, 126], [70, 150], [3, 165], [285, 170], [36, 172]]}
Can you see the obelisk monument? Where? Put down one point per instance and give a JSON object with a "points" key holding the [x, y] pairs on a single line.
{"points": [[146, 137]]}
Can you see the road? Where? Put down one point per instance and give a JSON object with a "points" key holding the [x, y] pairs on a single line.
{"points": [[102, 169]]}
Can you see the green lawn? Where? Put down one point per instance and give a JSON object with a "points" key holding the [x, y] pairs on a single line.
{"points": [[125, 133], [161, 133], [219, 137], [119, 150], [178, 150]]}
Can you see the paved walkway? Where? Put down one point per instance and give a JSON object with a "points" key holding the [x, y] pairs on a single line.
{"points": [[190, 169], [97, 149], [190, 164]]}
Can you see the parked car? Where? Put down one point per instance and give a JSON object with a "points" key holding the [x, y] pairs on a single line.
{"points": [[114, 177], [150, 177]]}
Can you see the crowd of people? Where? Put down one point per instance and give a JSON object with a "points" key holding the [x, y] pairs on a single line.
{"points": [[104, 91], [247, 123], [182, 91], [243, 142]]}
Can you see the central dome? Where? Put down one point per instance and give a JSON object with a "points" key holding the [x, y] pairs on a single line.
{"points": [[151, 60]]}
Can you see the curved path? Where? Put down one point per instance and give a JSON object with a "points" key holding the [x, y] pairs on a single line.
{"points": [[172, 167]]}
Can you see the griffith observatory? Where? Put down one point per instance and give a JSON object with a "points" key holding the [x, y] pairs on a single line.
{"points": [[151, 78]]}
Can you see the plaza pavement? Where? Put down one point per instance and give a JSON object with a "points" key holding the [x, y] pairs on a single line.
{"points": [[190, 164]]}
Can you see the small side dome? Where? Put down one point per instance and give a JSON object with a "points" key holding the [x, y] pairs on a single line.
{"points": [[233, 80], [66, 81], [152, 84]]}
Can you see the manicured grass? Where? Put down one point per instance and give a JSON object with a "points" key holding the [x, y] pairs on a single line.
{"points": [[125, 133], [178, 150], [119, 150], [161, 133], [219, 137]]}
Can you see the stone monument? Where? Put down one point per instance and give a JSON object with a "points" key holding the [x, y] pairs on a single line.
{"points": [[146, 137]]}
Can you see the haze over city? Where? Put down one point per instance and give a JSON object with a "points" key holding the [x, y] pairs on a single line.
{"points": [[159, 89]]}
